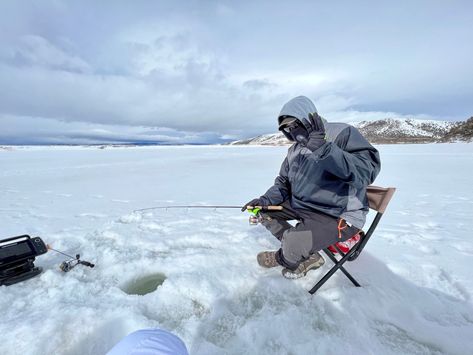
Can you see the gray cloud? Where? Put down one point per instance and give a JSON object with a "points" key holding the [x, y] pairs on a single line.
{"points": [[32, 50], [225, 67], [258, 84], [41, 130]]}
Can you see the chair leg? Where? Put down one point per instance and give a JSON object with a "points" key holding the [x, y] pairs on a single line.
{"points": [[352, 254], [338, 265]]}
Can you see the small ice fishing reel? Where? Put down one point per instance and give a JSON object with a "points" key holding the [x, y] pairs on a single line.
{"points": [[255, 219], [256, 216], [67, 266]]}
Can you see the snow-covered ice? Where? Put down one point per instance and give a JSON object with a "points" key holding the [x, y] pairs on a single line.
{"points": [[416, 275]]}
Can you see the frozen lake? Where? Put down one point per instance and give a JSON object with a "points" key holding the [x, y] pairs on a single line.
{"points": [[416, 270]]}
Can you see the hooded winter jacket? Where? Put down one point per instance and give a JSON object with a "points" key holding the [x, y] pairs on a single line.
{"points": [[333, 178]]}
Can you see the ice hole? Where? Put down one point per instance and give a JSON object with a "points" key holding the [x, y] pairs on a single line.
{"points": [[144, 285]]}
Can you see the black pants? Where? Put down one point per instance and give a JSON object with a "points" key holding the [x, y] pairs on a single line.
{"points": [[314, 231]]}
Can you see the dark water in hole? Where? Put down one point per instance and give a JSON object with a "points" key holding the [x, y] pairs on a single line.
{"points": [[144, 285]]}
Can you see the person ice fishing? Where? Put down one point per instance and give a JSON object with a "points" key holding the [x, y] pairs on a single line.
{"points": [[321, 184]]}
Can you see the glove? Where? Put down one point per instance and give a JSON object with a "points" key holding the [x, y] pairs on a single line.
{"points": [[255, 202], [317, 136]]}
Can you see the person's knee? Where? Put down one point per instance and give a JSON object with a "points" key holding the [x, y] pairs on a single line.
{"points": [[296, 245], [271, 224]]}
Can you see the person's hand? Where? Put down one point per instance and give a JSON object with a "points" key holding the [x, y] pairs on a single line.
{"points": [[316, 122], [317, 136], [255, 202]]}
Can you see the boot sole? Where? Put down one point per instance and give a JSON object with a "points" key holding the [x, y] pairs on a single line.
{"points": [[260, 259], [293, 276]]}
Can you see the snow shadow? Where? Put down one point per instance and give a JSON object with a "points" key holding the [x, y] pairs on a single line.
{"points": [[104, 337], [387, 315]]}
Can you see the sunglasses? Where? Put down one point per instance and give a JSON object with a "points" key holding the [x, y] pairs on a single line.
{"points": [[289, 127]]}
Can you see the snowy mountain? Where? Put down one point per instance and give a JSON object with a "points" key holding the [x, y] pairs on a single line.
{"points": [[461, 132], [265, 139], [390, 130]]}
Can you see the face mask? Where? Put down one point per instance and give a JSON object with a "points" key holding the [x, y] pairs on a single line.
{"points": [[296, 132]]}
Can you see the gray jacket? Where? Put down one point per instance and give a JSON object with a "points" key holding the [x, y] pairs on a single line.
{"points": [[333, 178]]}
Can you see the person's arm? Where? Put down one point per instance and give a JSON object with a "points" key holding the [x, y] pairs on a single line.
{"points": [[280, 191], [350, 157]]}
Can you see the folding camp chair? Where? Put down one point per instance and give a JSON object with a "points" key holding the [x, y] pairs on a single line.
{"points": [[378, 199]]}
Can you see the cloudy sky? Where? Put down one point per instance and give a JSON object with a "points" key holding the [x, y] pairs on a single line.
{"points": [[209, 71]]}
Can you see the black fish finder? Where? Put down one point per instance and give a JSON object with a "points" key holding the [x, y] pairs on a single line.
{"points": [[17, 256]]}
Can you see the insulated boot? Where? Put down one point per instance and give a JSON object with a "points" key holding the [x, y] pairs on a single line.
{"points": [[314, 262], [267, 259]]}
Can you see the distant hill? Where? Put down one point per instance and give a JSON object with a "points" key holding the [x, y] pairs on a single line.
{"points": [[265, 139], [461, 132], [390, 131]]}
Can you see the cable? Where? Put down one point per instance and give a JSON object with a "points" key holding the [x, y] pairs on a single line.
{"points": [[60, 252]]}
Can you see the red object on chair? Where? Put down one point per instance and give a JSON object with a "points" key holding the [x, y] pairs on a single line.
{"points": [[346, 245], [378, 199]]}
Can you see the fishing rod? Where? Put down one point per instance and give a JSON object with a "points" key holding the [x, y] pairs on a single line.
{"points": [[254, 219], [183, 206], [249, 208]]}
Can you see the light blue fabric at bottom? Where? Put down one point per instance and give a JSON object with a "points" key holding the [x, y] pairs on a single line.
{"points": [[150, 342]]}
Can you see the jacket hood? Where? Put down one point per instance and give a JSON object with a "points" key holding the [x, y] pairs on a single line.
{"points": [[298, 107]]}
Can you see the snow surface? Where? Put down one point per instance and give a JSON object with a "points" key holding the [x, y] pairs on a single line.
{"points": [[415, 272]]}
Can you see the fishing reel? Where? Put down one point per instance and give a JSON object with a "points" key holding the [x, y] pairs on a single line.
{"points": [[255, 219], [67, 266]]}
